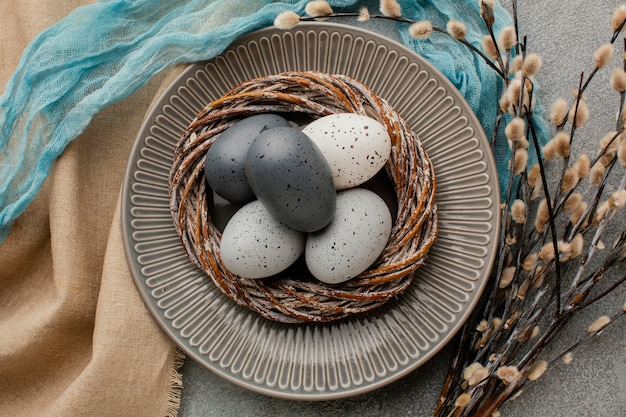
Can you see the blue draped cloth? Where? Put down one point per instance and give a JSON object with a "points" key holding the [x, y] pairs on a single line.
{"points": [[103, 52]]}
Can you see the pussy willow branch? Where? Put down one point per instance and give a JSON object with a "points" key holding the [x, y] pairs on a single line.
{"points": [[509, 316], [486, 397]]}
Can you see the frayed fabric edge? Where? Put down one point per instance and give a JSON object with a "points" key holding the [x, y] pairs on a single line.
{"points": [[176, 384]]}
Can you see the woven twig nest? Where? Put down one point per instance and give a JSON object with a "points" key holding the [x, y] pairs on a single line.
{"points": [[294, 299]]}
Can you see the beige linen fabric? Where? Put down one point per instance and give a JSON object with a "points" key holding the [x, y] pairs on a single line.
{"points": [[75, 336]]}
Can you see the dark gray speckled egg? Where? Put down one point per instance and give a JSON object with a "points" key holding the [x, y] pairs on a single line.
{"points": [[291, 177], [224, 165]]}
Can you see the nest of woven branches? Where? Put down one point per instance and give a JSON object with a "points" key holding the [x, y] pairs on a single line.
{"points": [[301, 298]]}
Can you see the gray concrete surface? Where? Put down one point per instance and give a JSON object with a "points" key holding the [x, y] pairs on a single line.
{"points": [[565, 33]]}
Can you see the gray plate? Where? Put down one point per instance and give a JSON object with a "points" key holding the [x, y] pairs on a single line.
{"points": [[318, 362]]}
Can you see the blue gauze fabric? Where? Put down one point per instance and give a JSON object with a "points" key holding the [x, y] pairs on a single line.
{"points": [[103, 52]]}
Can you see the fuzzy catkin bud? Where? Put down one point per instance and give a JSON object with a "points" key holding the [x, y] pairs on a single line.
{"points": [[564, 251], [618, 80], [421, 30], [534, 176], [578, 212], [608, 143], [600, 323], [572, 202], [505, 103], [601, 212], [515, 129], [287, 20], [582, 166], [486, 11], [507, 276], [390, 8], [568, 358], [456, 29], [531, 64], [576, 245], [562, 144], [547, 252], [596, 174], [514, 91], [318, 8], [489, 47], [578, 116], [508, 374], [462, 400], [549, 151], [530, 262], [558, 112], [521, 161], [364, 14], [621, 152], [618, 17], [603, 55], [617, 200], [538, 369], [522, 143], [542, 216], [474, 373], [507, 37], [570, 179], [518, 211], [516, 64]]}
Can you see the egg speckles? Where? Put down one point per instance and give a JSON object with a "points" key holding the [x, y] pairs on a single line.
{"points": [[256, 245], [224, 166], [353, 240], [291, 177], [355, 146]]}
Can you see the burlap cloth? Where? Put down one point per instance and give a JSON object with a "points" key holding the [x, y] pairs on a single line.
{"points": [[75, 337]]}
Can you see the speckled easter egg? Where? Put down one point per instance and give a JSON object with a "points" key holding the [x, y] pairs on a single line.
{"points": [[291, 177], [353, 240], [355, 146], [256, 245], [224, 165]]}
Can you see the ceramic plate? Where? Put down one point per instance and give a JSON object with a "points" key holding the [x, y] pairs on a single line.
{"points": [[315, 362]]}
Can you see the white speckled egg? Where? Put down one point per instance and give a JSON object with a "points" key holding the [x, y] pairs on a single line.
{"points": [[256, 245], [355, 146], [353, 240]]}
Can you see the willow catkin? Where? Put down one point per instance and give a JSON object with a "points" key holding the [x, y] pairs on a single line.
{"points": [[618, 80], [456, 29], [390, 8], [421, 30], [558, 112], [531, 65], [489, 47], [518, 211], [317, 8], [287, 20], [621, 152], [570, 179], [562, 144], [508, 38], [572, 202], [603, 55], [582, 165], [579, 115], [515, 129], [619, 14]]}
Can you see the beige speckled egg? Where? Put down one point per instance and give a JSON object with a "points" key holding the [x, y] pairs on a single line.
{"points": [[353, 240], [355, 146]]}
